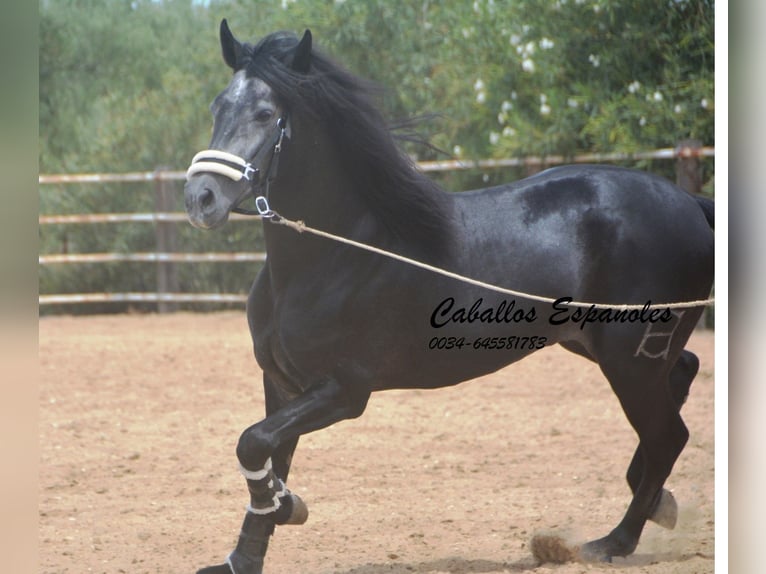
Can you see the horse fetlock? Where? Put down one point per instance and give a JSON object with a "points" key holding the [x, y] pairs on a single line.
{"points": [[247, 556], [239, 564], [265, 489], [269, 496]]}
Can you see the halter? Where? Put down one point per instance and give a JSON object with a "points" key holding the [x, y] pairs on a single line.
{"points": [[237, 169]]}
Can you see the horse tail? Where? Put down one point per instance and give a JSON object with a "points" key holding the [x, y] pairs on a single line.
{"points": [[708, 208]]}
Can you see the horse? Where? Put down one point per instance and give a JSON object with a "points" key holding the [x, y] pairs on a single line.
{"points": [[303, 138]]}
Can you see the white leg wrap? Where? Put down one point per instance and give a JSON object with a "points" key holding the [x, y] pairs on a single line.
{"points": [[256, 474], [268, 497], [279, 490]]}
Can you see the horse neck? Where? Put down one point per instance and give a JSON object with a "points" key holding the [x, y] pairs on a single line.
{"points": [[315, 185], [329, 189]]}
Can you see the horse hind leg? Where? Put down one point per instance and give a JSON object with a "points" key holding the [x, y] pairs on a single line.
{"points": [[665, 512], [641, 387]]}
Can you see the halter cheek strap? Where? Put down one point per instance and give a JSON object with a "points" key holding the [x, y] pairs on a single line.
{"points": [[237, 169]]}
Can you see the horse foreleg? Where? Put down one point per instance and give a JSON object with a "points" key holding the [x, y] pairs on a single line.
{"points": [[270, 502]]}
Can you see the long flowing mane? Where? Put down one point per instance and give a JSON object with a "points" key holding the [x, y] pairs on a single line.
{"points": [[404, 200]]}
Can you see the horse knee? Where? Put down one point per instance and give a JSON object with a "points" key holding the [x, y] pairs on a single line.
{"points": [[254, 447]]}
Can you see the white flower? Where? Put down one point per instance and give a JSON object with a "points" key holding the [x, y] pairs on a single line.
{"points": [[481, 97], [506, 106], [457, 151], [595, 60], [642, 121], [546, 44], [515, 39], [657, 96], [478, 85], [514, 95], [466, 33], [529, 48], [704, 103], [528, 65], [634, 86], [509, 131], [572, 103], [678, 108], [545, 109], [494, 137]]}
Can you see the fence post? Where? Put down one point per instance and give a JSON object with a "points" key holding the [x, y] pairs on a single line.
{"points": [[689, 169], [167, 272], [689, 177]]}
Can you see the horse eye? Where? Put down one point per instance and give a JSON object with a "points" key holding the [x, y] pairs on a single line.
{"points": [[264, 115]]}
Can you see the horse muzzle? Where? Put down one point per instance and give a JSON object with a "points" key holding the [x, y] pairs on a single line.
{"points": [[207, 206]]}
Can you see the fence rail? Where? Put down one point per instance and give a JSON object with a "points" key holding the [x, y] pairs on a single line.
{"points": [[687, 155], [142, 298], [167, 217], [148, 257]]}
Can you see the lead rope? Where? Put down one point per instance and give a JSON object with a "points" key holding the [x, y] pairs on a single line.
{"points": [[272, 216]]}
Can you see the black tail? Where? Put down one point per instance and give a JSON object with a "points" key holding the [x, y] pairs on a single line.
{"points": [[708, 208]]}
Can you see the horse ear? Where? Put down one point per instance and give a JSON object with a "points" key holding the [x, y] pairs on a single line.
{"points": [[302, 56], [230, 46]]}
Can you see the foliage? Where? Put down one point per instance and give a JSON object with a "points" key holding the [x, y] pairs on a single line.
{"points": [[124, 85]]}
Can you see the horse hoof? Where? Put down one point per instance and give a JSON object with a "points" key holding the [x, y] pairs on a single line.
{"points": [[616, 543], [666, 512], [593, 552], [218, 569], [292, 510], [300, 513]]}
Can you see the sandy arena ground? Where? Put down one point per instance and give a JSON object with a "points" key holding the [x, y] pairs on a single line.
{"points": [[140, 415]]}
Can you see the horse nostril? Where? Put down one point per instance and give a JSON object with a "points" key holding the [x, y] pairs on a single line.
{"points": [[207, 197]]}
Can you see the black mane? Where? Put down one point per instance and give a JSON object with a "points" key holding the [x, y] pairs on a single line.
{"points": [[402, 198]]}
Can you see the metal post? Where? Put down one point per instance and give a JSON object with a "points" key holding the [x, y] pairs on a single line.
{"points": [[688, 167], [689, 177]]}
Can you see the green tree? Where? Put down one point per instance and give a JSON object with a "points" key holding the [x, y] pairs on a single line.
{"points": [[125, 84]]}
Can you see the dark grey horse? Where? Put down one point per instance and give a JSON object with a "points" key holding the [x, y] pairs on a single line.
{"points": [[332, 323]]}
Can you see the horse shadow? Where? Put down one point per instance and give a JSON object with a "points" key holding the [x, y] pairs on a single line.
{"points": [[456, 565], [444, 565]]}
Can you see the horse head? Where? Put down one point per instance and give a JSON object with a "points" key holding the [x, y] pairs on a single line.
{"points": [[250, 125]]}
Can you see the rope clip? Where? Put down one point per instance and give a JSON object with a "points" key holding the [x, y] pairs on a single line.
{"points": [[262, 205]]}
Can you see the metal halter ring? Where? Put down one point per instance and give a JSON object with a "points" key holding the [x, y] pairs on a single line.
{"points": [[262, 205]]}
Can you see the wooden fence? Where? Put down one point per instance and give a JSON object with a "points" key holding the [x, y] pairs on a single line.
{"points": [[688, 175]]}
